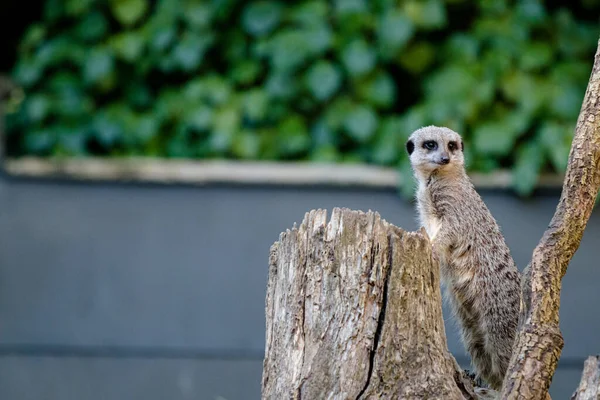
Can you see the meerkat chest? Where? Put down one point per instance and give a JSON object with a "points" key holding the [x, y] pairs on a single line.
{"points": [[427, 215], [432, 226]]}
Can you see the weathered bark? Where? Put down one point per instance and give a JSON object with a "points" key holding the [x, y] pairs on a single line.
{"points": [[354, 311], [539, 342], [589, 387]]}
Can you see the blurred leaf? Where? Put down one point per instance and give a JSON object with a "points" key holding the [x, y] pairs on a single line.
{"points": [[537, 55], [163, 38], [530, 11], [216, 89], [572, 71], [128, 12], [452, 82], [527, 168], [380, 90], [38, 107], [556, 141], [200, 118], [227, 120], [128, 45], [575, 38], [325, 154], [417, 57], [287, 50], [99, 65], [246, 72], [194, 90], [517, 123], [246, 144], [280, 86], [198, 15], [361, 123], [495, 64], [311, 12], [57, 50], [350, 6], [412, 120], [171, 105], [566, 100], [323, 80], [485, 92], [318, 39], [427, 14], [34, 35], [261, 17], [480, 163], [256, 104], [323, 135], [40, 141], [189, 52], [336, 113], [178, 145], [358, 57], [226, 124], [525, 90], [77, 7], [494, 138], [389, 142], [92, 27], [294, 136], [71, 139], [463, 47], [147, 127], [395, 30], [240, 46], [27, 73], [106, 128], [69, 98]]}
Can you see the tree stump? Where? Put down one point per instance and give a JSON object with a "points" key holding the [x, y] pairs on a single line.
{"points": [[353, 311]]}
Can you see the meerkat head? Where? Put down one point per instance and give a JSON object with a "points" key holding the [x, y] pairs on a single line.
{"points": [[435, 148]]}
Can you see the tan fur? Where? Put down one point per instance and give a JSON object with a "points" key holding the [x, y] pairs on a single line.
{"points": [[479, 275]]}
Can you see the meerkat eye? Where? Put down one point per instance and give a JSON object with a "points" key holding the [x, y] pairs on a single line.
{"points": [[430, 145], [452, 146]]}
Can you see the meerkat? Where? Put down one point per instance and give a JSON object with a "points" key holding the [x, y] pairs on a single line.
{"points": [[482, 283]]}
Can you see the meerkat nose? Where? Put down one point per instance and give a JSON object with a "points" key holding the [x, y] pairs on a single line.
{"points": [[444, 159]]}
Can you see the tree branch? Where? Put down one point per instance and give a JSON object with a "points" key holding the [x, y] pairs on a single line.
{"points": [[539, 342], [589, 387]]}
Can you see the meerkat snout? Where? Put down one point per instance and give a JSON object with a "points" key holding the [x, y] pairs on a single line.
{"points": [[444, 158]]}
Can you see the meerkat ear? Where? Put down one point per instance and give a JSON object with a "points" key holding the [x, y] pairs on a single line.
{"points": [[410, 147], [462, 146]]}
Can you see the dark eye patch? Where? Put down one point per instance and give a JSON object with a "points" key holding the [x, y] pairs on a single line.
{"points": [[452, 146], [430, 145], [410, 147]]}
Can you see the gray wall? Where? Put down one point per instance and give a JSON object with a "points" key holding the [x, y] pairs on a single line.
{"points": [[113, 291]]}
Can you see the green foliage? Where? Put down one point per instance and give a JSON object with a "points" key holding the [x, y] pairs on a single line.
{"points": [[332, 81]]}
